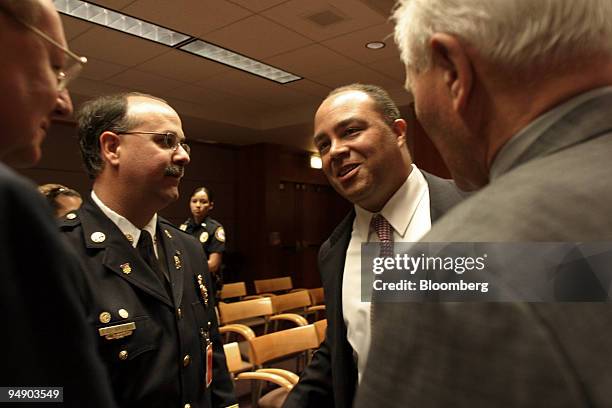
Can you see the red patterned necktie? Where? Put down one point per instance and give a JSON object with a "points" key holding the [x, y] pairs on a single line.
{"points": [[385, 234]]}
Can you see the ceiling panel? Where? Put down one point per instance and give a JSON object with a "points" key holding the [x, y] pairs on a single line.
{"points": [[356, 74], [256, 89], [74, 27], [353, 45], [391, 67], [144, 82], [310, 60], [116, 47], [226, 105], [293, 14], [271, 38], [214, 97], [100, 70], [182, 66], [309, 87], [258, 5], [91, 89], [194, 17], [113, 4]]}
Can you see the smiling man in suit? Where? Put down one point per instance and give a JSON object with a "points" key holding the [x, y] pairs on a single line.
{"points": [[146, 284], [362, 142], [517, 97]]}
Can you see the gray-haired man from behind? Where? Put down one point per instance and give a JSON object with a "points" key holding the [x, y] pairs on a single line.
{"points": [[517, 97]]}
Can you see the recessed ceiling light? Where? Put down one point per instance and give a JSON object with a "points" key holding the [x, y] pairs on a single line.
{"points": [[375, 45], [128, 24]]}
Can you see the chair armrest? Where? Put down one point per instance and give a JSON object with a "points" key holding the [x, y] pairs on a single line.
{"points": [[273, 378], [245, 331], [315, 308], [292, 317], [293, 378]]}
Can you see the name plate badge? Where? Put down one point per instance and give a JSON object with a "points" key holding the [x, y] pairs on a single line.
{"points": [[118, 331]]}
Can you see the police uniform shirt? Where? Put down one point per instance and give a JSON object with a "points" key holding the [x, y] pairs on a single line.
{"points": [[209, 232]]}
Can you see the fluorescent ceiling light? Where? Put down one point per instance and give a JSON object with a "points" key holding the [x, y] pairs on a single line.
{"points": [[112, 19], [127, 24], [227, 57]]}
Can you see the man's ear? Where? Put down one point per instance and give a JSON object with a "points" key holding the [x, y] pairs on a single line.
{"points": [[451, 57], [399, 129], [110, 147]]}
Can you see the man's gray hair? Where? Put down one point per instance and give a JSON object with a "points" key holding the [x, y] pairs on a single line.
{"points": [[510, 33]]}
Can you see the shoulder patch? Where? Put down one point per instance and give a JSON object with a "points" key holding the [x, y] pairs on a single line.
{"points": [[220, 234]]}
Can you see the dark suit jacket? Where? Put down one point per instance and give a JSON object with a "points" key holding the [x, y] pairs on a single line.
{"points": [[45, 340], [511, 354], [162, 363], [331, 377]]}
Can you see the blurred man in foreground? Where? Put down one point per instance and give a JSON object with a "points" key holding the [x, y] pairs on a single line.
{"points": [[45, 342]]}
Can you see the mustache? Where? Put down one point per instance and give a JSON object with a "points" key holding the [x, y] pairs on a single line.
{"points": [[174, 170]]}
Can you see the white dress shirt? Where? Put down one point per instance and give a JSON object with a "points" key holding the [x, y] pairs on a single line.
{"points": [[131, 232], [408, 213]]}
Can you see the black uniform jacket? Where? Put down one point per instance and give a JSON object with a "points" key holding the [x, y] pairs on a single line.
{"points": [[330, 379], [45, 340], [161, 359]]}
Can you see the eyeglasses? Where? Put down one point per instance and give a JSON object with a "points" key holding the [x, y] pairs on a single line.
{"points": [[170, 140], [75, 63]]}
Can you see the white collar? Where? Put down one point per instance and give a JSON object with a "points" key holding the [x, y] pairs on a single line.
{"points": [[127, 228], [400, 208]]}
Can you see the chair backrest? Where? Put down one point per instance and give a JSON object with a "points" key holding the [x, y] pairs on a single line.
{"points": [[245, 309], [232, 357], [273, 285], [232, 290], [291, 301], [317, 296], [321, 327], [283, 343]]}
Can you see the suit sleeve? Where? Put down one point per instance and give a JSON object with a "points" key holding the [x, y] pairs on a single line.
{"points": [[315, 386]]}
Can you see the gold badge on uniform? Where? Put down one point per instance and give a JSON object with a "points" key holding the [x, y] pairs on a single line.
{"points": [[168, 233], [204, 237], [183, 227], [220, 234], [117, 331], [105, 317], [126, 268], [203, 290], [124, 313], [177, 261]]}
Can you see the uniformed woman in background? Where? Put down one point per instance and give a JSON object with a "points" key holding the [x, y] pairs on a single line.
{"points": [[208, 231]]}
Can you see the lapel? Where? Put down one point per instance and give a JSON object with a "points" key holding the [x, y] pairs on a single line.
{"points": [[587, 121], [333, 258], [174, 255], [117, 253], [443, 195]]}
